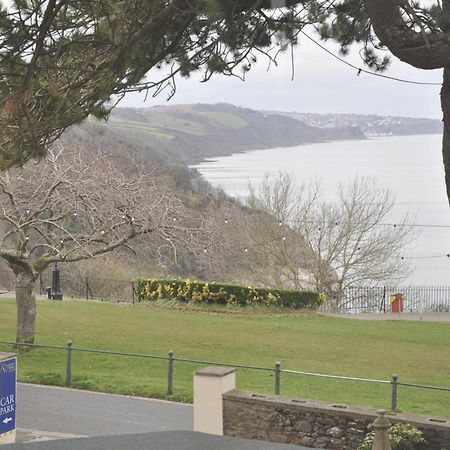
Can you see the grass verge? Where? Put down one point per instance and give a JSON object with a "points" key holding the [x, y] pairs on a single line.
{"points": [[417, 351]]}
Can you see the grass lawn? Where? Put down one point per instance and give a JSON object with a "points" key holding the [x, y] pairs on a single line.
{"points": [[226, 120], [418, 352]]}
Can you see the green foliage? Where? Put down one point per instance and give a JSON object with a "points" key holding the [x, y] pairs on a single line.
{"points": [[350, 24], [64, 61], [193, 291], [403, 436]]}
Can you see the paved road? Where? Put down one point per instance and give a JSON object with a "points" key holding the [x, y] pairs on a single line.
{"points": [[179, 440], [83, 413], [113, 422]]}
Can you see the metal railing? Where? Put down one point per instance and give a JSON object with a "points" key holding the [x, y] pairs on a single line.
{"points": [[355, 300], [276, 369], [377, 299], [7, 280], [89, 288], [93, 288]]}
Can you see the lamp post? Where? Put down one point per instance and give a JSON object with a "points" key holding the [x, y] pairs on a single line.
{"points": [[55, 293]]}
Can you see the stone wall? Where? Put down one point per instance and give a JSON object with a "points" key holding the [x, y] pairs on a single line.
{"points": [[314, 423]]}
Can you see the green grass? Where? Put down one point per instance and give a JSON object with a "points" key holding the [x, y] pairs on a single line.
{"points": [[417, 351], [226, 120], [155, 132], [166, 122], [161, 125]]}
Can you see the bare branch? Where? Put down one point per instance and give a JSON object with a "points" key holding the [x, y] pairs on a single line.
{"points": [[86, 206], [347, 244]]}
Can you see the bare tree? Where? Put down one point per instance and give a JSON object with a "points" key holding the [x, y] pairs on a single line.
{"points": [[244, 246], [283, 255], [78, 205], [275, 255], [348, 243]]}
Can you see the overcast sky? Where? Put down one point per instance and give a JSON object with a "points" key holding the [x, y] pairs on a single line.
{"points": [[321, 84]]}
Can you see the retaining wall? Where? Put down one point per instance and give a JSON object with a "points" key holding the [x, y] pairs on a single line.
{"points": [[316, 424]]}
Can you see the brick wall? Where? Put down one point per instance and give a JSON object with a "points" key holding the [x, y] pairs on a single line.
{"points": [[314, 423]]}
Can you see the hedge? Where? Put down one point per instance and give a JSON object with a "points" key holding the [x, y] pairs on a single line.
{"points": [[192, 291]]}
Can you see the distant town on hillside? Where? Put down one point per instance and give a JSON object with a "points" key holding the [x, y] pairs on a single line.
{"points": [[369, 124]]}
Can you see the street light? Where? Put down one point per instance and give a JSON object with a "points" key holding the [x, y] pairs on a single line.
{"points": [[55, 292]]}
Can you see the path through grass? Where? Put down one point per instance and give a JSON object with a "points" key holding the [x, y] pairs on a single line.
{"points": [[417, 351]]}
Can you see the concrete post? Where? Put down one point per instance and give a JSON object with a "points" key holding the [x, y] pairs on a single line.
{"points": [[380, 427], [209, 385], [8, 390]]}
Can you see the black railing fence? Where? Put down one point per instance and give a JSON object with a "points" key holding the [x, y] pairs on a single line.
{"points": [[92, 288], [381, 299], [354, 300], [7, 280], [88, 288]]}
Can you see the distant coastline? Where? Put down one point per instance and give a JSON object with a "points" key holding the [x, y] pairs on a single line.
{"points": [[185, 135], [397, 162], [189, 134], [371, 124], [215, 158]]}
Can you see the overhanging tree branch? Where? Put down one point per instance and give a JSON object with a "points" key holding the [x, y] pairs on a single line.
{"points": [[424, 50]]}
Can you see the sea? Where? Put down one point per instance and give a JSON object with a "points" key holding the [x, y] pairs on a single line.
{"points": [[410, 166]]}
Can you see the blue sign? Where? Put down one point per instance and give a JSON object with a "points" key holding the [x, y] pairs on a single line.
{"points": [[8, 395]]}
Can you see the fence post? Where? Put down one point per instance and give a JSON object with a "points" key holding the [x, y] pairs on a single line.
{"points": [[277, 377], [170, 373], [132, 290], [394, 387], [138, 292], [381, 437], [68, 363]]}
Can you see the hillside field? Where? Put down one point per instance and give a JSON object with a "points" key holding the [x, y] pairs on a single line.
{"points": [[417, 351]]}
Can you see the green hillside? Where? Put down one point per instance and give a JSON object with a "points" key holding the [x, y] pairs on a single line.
{"points": [[186, 134]]}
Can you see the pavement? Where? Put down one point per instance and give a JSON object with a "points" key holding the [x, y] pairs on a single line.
{"points": [[45, 412], [54, 418], [24, 436], [419, 317]]}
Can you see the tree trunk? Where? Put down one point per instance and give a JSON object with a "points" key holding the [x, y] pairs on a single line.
{"points": [[445, 104], [403, 40], [26, 306]]}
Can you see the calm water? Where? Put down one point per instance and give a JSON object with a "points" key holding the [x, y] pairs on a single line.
{"points": [[410, 166]]}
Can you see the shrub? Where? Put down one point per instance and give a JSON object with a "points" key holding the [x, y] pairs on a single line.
{"points": [[193, 291], [403, 436]]}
